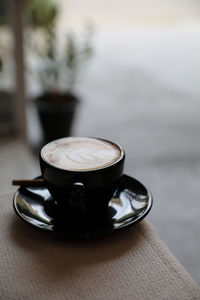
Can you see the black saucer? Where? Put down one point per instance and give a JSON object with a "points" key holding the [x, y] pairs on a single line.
{"points": [[131, 202]]}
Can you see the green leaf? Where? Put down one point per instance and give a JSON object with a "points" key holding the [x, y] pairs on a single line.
{"points": [[41, 13]]}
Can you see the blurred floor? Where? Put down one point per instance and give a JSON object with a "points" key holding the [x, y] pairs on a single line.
{"points": [[144, 93], [142, 90]]}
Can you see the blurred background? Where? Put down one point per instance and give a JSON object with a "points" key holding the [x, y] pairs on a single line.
{"points": [[123, 70]]}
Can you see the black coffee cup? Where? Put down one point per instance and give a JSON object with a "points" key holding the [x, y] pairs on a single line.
{"points": [[83, 192]]}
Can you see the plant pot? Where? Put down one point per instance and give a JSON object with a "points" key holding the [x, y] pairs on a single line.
{"points": [[56, 113]]}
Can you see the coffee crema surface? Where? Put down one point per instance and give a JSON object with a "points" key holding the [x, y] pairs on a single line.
{"points": [[80, 154]]}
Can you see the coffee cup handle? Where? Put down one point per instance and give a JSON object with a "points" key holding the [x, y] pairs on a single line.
{"points": [[77, 197]]}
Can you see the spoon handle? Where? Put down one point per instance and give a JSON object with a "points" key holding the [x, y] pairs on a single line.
{"points": [[39, 182]]}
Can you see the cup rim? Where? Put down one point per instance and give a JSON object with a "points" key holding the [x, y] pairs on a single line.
{"points": [[122, 156]]}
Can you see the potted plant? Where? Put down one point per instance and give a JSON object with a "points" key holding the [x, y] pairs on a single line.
{"points": [[57, 68]]}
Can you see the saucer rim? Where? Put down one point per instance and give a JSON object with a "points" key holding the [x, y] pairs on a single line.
{"points": [[90, 235]]}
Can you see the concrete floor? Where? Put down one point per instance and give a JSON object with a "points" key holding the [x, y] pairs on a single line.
{"points": [[142, 90]]}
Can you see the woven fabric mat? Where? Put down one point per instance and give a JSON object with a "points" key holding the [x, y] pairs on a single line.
{"points": [[130, 264]]}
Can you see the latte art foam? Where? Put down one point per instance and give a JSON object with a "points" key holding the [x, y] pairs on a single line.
{"points": [[80, 154]]}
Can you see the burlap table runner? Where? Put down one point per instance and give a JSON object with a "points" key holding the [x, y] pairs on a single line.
{"points": [[131, 264]]}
